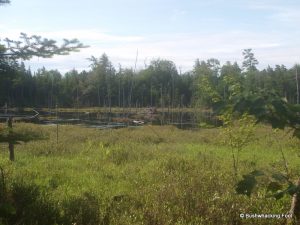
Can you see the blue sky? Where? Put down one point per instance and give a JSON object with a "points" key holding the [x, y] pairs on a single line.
{"points": [[181, 31]]}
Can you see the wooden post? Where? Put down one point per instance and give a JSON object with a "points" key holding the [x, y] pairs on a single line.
{"points": [[10, 142]]}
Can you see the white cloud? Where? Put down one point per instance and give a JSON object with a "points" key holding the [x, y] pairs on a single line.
{"points": [[279, 11], [288, 16], [91, 35], [183, 49]]}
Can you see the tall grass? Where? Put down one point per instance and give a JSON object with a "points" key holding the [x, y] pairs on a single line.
{"points": [[147, 175]]}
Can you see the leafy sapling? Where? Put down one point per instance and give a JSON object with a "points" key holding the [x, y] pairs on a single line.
{"points": [[237, 133]]}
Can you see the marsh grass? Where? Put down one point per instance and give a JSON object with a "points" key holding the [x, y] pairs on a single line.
{"points": [[149, 175]]}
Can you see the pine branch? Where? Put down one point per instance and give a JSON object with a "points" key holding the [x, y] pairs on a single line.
{"points": [[3, 2], [30, 46]]}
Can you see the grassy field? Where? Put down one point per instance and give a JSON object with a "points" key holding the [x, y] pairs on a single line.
{"points": [[146, 175]]}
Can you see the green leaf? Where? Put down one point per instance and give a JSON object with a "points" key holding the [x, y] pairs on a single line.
{"points": [[279, 195], [297, 133], [279, 106], [257, 173], [279, 177], [246, 185], [277, 122], [7, 209], [274, 186], [292, 189]]}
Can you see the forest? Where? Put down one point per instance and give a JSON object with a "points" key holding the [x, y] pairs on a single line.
{"points": [[159, 84]]}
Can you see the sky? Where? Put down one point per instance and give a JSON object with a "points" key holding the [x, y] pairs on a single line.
{"points": [[181, 31]]}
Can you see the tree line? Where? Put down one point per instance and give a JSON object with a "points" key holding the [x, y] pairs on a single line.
{"points": [[157, 85]]}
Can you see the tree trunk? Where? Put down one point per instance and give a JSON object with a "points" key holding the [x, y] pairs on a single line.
{"points": [[295, 207]]}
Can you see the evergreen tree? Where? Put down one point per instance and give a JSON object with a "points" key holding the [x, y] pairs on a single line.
{"points": [[250, 62]]}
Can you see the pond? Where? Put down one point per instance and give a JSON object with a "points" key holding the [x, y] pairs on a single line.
{"points": [[106, 120]]}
